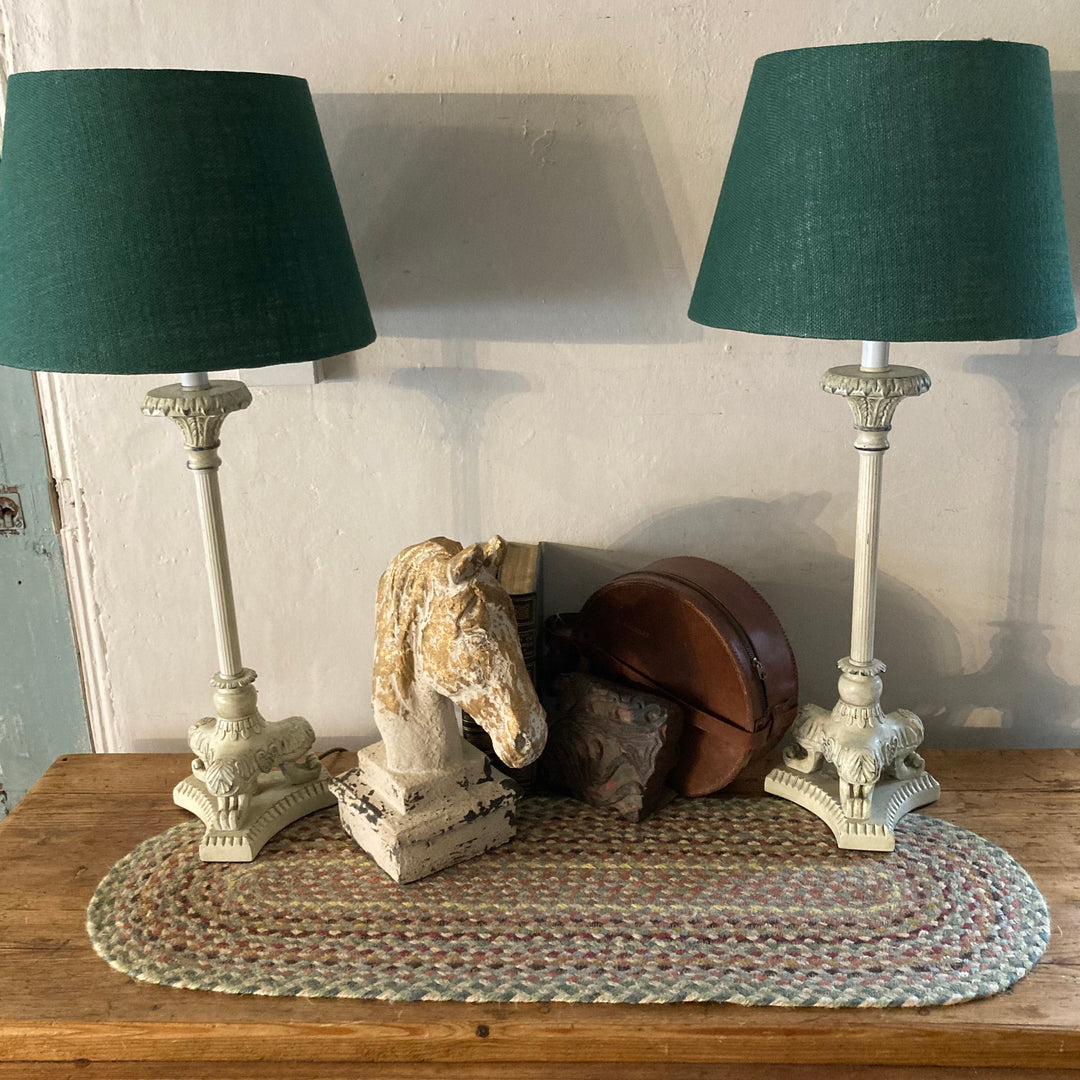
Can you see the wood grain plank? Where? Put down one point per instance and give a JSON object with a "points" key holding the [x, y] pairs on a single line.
{"points": [[154, 775], [510, 1041], [84, 1069]]}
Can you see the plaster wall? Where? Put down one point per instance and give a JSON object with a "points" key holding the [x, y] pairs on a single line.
{"points": [[529, 186]]}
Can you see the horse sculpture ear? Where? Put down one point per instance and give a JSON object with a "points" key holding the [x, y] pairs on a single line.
{"points": [[468, 562], [465, 564], [495, 552]]}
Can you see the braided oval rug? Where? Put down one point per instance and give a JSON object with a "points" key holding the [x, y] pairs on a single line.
{"points": [[744, 901]]}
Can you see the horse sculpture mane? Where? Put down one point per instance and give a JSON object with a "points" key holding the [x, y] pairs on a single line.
{"points": [[445, 632]]}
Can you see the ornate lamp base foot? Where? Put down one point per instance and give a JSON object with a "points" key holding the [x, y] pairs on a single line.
{"points": [[250, 777], [277, 802], [856, 766], [413, 825], [890, 799]]}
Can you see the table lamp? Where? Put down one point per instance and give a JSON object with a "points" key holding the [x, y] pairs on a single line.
{"points": [[895, 191], [184, 221]]}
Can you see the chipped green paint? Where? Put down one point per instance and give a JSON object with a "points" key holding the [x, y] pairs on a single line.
{"points": [[41, 707]]}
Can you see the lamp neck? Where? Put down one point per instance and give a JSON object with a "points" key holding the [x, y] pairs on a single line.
{"points": [[198, 380], [875, 356]]}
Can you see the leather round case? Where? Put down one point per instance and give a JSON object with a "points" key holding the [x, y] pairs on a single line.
{"points": [[697, 633]]}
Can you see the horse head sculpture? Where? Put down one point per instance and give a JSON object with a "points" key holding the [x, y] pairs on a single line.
{"points": [[446, 635]]}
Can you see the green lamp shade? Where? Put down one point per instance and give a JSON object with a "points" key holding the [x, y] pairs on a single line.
{"points": [[897, 191], [167, 221]]}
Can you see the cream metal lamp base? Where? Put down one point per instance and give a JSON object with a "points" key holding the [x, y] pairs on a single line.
{"points": [[855, 766], [251, 777]]}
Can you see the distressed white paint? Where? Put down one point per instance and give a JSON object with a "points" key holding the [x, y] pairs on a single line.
{"points": [[529, 186], [414, 825]]}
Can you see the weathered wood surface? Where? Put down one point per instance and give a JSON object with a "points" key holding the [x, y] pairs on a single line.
{"points": [[84, 1069], [64, 1012]]}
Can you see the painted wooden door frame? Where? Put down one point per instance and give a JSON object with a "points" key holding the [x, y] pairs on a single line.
{"points": [[41, 704], [74, 538]]}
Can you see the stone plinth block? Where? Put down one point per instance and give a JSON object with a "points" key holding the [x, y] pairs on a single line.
{"points": [[415, 824]]}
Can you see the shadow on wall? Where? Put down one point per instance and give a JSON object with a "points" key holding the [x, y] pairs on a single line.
{"points": [[1066, 91], [1016, 687], [488, 217], [794, 564], [483, 217], [465, 397], [1014, 700]]}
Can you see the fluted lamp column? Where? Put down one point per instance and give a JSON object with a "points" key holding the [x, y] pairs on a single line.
{"points": [[250, 776], [162, 221], [878, 773], [886, 192]]}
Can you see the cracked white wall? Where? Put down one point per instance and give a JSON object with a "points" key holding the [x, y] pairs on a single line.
{"points": [[529, 187]]}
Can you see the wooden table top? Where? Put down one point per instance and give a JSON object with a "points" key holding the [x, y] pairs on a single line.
{"points": [[64, 1012]]}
